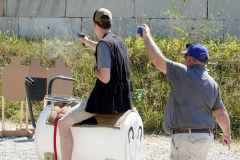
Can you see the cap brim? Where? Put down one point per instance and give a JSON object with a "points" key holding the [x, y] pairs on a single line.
{"points": [[184, 52]]}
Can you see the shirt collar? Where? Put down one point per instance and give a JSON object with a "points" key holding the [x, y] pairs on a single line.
{"points": [[197, 66]]}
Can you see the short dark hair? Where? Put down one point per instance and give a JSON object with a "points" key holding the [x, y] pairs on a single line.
{"points": [[104, 25], [204, 57]]}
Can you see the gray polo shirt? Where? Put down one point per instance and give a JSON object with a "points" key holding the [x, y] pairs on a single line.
{"points": [[192, 98]]}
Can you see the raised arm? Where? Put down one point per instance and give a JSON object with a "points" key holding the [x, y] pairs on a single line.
{"points": [[224, 122], [152, 50]]}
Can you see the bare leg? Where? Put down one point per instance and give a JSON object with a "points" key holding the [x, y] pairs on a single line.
{"points": [[66, 138]]}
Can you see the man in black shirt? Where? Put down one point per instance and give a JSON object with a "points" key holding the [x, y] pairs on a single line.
{"points": [[113, 89]]}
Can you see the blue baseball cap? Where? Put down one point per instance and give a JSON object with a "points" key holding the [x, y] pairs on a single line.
{"points": [[198, 51]]}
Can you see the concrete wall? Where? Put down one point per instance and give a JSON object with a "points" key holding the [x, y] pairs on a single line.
{"points": [[86, 8], [49, 27], [9, 25], [157, 8], [35, 8], [164, 28], [64, 18], [1, 8], [231, 9]]}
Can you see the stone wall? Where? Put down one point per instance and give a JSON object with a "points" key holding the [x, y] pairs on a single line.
{"points": [[65, 18]]}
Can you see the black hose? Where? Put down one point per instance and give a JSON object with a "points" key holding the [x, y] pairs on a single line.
{"points": [[31, 81]]}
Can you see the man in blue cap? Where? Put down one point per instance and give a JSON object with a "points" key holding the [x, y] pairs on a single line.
{"points": [[193, 97]]}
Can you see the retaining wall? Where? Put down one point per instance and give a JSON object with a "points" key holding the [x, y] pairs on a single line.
{"points": [[65, 18]]}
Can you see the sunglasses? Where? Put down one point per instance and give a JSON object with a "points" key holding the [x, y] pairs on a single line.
{"points": [[186, 55]]}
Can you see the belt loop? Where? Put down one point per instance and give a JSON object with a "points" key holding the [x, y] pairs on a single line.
{"points": [[209, 132], [189, 130]]}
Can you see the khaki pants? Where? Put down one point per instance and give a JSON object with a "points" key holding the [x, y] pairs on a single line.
{"points": [[191, 146], [78, 113]]}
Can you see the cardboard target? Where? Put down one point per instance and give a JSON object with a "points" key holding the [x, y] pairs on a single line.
{"points": [[39, 75], [61, 87], [13, 76], [35, 70]]}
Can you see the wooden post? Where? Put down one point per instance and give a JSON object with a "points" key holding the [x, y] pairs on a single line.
{"points": [[45, 104], [21, 114], [3, 125], [26, 115]]}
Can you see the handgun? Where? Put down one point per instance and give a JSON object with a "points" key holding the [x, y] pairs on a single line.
{"points": [[81, 35]]}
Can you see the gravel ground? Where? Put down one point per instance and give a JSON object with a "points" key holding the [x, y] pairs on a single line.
{"points": [[155, 147]]}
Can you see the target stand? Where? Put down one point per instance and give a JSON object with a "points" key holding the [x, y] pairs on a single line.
{"points": [[20, 131], [13, 90]]}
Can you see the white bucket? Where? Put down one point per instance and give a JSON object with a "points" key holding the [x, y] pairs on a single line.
{"points": [[95, 142]]}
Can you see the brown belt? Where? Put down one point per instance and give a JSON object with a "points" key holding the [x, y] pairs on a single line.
{"points": [[192, 131]]}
